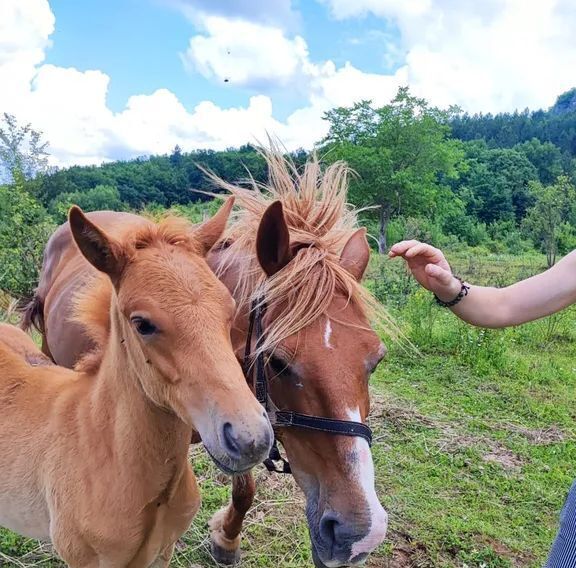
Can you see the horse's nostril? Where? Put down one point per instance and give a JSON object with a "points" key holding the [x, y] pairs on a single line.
{"points": [[230, 442], [328, 528]]}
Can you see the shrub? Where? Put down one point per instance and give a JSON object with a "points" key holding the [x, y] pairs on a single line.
{"points": [[25, 226]]}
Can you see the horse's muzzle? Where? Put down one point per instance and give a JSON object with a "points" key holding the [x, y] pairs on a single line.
{"points": [[336, 539]]}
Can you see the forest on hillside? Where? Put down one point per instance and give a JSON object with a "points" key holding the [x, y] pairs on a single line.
{"points": [[504, 182]]}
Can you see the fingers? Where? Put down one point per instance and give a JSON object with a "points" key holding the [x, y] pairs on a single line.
{"points": [[422, 249], [400, 248], [413, 248], [441, 275]]}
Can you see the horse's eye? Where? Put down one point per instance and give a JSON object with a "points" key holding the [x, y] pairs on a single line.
{"points": [[374, 367], [143, 326], [375, 359], [277, 365]]}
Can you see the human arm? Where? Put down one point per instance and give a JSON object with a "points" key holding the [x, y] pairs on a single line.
{"points": [[527, 300]]}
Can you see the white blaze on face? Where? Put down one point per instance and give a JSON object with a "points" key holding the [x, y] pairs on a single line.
{"points": [[328, 334], [365, 475]]}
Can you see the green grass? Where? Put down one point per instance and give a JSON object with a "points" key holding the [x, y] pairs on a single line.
{"points": [[475, 443]]}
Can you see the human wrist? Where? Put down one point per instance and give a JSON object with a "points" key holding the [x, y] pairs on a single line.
{"points": [[453, 293]]}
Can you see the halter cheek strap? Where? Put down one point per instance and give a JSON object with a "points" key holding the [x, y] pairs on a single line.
{"points": [[287, 418]]}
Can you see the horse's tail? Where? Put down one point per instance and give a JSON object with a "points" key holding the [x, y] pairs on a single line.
{"points": [[33, 314]]}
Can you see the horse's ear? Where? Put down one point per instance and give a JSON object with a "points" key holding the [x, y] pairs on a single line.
{"points": [[208, 233], [273, 240], [100, 250], [356, 254]]}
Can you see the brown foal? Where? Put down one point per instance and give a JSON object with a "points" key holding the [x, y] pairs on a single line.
{"points": [[96, 460]]}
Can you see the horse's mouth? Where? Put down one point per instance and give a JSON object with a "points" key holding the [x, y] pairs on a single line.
{"points": [[316, 558], [223, 467], [357, 561], [317, 562]]}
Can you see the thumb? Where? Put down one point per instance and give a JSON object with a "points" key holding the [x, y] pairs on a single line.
{"points": [[441, 275]]}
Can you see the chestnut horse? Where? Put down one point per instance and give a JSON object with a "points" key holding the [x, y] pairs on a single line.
{"points": [[295, 243], [96, 460], [22, 344]]}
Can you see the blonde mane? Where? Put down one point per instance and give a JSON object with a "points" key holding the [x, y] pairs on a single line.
{"points": [[92, 302], [320, 222]]}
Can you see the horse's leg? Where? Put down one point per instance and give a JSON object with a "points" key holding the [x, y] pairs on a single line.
{"points": [[163, 560], [226, 524], [74, 551]]}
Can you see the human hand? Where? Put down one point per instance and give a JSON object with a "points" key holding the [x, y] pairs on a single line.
{"points": [[430, 268]]}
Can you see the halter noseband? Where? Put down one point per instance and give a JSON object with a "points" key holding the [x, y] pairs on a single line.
{"points": [[288, 418]]}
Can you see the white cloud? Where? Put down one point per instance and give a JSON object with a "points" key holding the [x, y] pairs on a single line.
{"points": [[347, 85], [156, 123], [330, 87], [70, 105], [246, 54], [343, 9], [494, 55], [276, 12], [25, 28], [265, 58]]}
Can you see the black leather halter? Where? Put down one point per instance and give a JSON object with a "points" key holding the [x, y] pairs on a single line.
{"points": [[288, 418]]}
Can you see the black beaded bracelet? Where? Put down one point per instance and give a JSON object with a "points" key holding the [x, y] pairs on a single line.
{"points": [[463, 292]]}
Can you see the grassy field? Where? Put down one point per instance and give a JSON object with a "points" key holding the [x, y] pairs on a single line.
{"points": [[475, 443]]}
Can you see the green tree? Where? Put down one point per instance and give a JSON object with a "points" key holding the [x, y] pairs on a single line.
{"points": [[24, 223], [23, 154], [553, 213], [101, 197], [25, 226], [545, 157], [401, 152], [505, 130], [165, 180], [497, 182]]}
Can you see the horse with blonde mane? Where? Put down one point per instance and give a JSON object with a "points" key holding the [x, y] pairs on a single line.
{"points": [[294, 243], [96, 460]]}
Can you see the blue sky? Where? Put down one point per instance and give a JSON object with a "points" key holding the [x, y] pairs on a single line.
{"points": [[109, 79], [137, 43]]}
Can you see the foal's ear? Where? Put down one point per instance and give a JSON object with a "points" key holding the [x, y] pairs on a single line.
{"points": [[273, 240], [100, 250], [356, 254], [208, 233]]}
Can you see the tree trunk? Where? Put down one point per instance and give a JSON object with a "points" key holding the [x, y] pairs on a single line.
{"points": [[384, 218], [551, 252]]}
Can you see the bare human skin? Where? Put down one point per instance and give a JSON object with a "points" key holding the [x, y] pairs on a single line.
{"points": [[527, 300]]}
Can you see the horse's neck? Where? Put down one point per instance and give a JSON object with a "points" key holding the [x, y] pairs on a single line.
{"points": [[144, 434]]}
